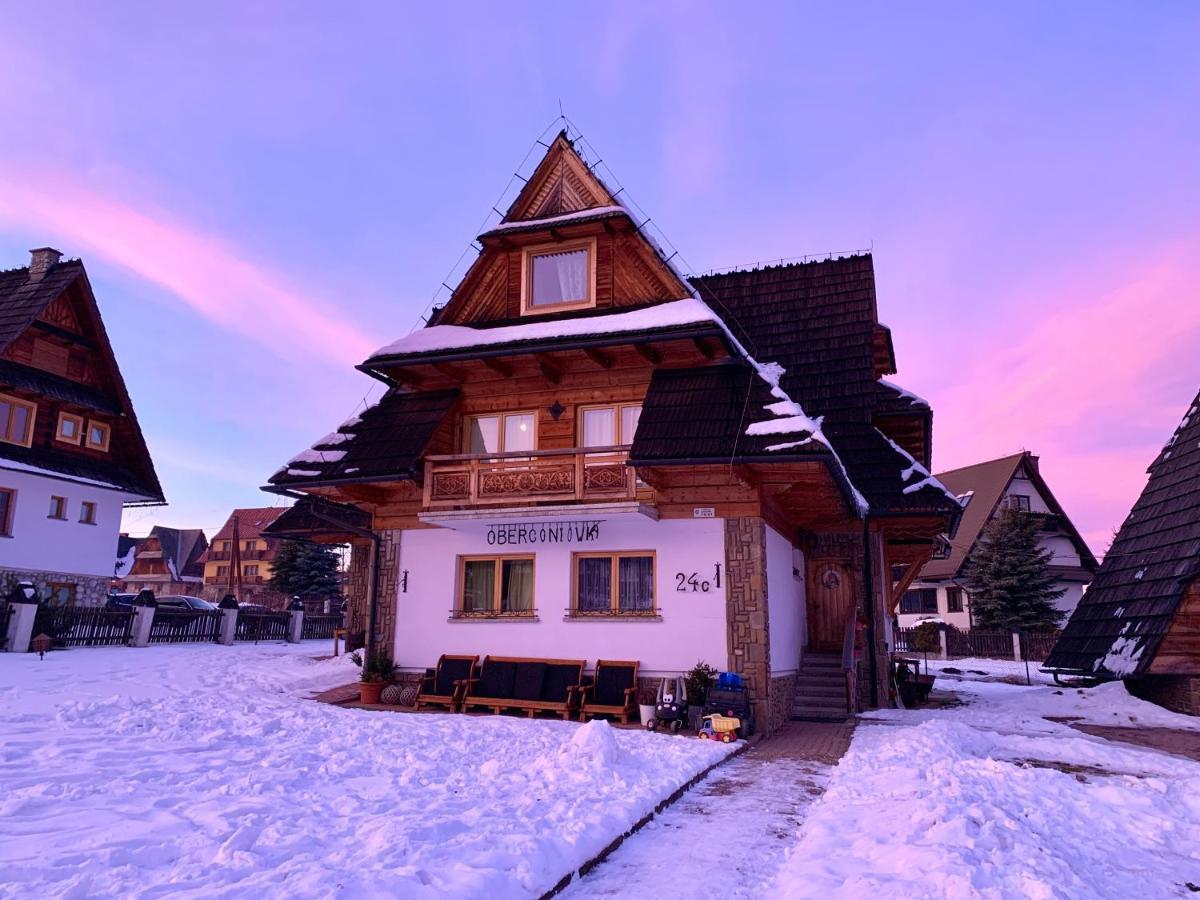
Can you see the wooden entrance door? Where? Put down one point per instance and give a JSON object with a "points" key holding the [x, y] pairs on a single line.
{"points": [[830, 603]]}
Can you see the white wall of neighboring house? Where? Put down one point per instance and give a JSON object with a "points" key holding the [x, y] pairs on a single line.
{"points": [[691, 626], [785, 603], [1060, 545], [68, 546]]}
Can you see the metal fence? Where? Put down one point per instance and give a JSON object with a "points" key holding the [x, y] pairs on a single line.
{"points": [[267, 626], [182, 626], [320, 626], [83, 626]]}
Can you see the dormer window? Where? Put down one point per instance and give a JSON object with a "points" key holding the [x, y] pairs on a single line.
{"points": [[558, 277]]}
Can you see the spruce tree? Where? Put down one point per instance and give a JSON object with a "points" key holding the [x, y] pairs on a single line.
{"points": [[1008, 575], [305, 570]]}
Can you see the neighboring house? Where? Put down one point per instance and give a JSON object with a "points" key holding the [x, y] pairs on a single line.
{"points": [[72, 454], [1140, 618], [255, 550], [585, 455], [984, 489], [165, 562]]}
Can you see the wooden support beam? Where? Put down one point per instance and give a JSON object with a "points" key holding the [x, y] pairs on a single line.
{"points": [[498, 366], [599, 357], [707, 350], [745, 476], [648, 353], [405, 376], [549, 368], [454, 373]]}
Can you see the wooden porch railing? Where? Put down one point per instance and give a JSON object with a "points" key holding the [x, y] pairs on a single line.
{"points": [[570, 475], [848, 663]]}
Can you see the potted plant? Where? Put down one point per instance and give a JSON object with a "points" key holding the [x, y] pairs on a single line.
{"points": [[647, 698], [699, 680], [377, 673]]}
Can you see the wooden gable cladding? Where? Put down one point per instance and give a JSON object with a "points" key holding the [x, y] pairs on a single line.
{"points": [[562, 183], [60, 314], [1179, 652]]}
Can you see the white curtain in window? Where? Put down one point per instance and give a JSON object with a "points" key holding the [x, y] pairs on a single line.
{"points": [[599, 427], [559, 277], [517, 585], [479, 582], [594, 584], [518, 433], [484, 435], [629, 421], [636, 576]]}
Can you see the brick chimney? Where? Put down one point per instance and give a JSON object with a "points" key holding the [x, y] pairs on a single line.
{"points": [[41, 261]]}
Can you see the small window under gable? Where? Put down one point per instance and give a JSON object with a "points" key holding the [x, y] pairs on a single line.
{"points": [[558, 276]]}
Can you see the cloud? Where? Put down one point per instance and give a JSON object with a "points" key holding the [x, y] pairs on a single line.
{"points": [[217, 280]]}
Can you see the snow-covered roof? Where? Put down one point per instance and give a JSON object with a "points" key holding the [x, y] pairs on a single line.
{"points": [[438, 338], [596, 212]]}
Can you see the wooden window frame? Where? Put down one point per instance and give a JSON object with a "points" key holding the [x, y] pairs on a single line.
{"points": [[1021, 502], [614, 610], [79, 429], [527, 255], [84, 507], [63, 508], [31, 407], [53, 587], [103, 445], [224, 574], [617, 408], [495, 613], [920, 594], [6, 523], [250, 570], [955, 591], [465, 443]]}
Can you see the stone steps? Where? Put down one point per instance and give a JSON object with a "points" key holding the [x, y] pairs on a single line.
{"points": [[820, 688]]}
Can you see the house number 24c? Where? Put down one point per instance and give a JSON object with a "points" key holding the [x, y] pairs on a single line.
{"points": [[691, 583]]}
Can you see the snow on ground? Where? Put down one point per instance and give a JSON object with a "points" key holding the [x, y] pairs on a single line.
{"points": [[991, 800], [724, 838], [199, 771]]}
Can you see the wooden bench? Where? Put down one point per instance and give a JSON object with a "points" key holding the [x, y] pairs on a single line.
{"points": [[612, 691], [445, 686], [525, 683]]}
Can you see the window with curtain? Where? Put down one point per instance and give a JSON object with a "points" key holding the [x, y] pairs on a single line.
{"points": [[496, 585], [502, 433], [8, 499], [614, 583], [16, 420], [954, 600], [609, 426], [558, 277]]}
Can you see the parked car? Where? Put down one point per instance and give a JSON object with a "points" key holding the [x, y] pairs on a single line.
{"points": [[179, 601], [119, 602], [254, 609]]}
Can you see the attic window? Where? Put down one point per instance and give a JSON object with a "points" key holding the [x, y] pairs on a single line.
{"points": [[98, 435], [559, 276], [70, 428], [16, 420]]}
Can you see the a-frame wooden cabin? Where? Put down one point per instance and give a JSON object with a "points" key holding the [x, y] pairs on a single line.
{"points": [[1140, 618], [585, 455]]}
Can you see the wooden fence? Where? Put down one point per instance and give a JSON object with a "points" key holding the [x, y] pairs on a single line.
{"points": [[182, 626], [269, 626], [980, 643], [320, 626], [83, 626]]}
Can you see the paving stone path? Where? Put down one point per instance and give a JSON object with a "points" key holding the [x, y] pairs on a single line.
{"points": [[728, 835]]}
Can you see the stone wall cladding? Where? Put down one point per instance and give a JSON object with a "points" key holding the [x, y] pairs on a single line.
{"points": [[388, 581], [90, 590], [749, 640], [782, 700], [356, 607], [1178, 693]]}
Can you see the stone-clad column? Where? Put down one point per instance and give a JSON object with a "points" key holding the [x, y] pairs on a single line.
{"points": [[748, 636]]}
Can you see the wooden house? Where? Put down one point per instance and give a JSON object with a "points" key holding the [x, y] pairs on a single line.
{"points": [[72, 454], [256, 551], [167, 561], [1140, 618], [984, 489], [587, 455]]}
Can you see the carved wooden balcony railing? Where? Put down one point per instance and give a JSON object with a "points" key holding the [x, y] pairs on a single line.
{"points": [[564, 476]]}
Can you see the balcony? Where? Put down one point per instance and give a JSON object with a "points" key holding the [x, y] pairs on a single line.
{"points": [[543, 476]]}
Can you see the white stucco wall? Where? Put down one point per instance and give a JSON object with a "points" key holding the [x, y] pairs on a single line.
{"points": [[692, 625], [1067, 603], [68, 546], [785, 604]]}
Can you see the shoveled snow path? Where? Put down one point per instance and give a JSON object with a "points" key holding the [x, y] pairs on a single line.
{"points": [[725, 838], [199, 771]]}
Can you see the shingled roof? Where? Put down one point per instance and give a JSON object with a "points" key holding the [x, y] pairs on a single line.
{"points": [[1119, 624], [22, 299], [818, 321], [383, 443]]}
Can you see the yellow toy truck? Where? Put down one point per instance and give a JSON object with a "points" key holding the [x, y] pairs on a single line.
{"points": [[720, 728]]}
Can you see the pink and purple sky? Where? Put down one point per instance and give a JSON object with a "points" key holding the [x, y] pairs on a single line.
{"points": [[265, 192]]}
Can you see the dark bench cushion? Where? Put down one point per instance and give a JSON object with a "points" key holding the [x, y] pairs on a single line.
{"points": [[496, 680], [611, 682], [450, 671], [559, 678], [528, 682]]}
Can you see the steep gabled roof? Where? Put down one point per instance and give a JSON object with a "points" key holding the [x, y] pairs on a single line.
{"points": [[22, 300], [983, 486], [251, 522], [1119, 624], [182, 548]]}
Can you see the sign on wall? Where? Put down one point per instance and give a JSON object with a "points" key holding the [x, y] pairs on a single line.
{"points": [[519, 534]]}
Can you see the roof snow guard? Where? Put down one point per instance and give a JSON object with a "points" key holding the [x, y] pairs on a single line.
{"points": [[1118, 628]]}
